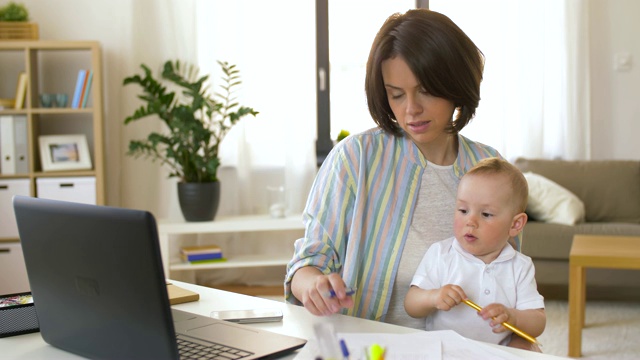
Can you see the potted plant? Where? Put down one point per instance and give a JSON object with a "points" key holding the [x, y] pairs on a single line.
{"points": [[196, 123], [14, 12], [14, 23]]}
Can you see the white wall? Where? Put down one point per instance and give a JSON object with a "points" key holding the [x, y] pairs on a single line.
{"points": [[140, 184], [615, 96], [108, 22], [132, 183]]}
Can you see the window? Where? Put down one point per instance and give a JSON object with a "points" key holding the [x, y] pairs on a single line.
{"points": [[346, 30]]}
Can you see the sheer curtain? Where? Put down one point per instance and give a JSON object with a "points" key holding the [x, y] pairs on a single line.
{"points": [[160, 30], [535, 91], [275, 54], [273, 45]]}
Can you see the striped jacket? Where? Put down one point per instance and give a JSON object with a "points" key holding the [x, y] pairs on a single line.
{"points": [[359, 210]]}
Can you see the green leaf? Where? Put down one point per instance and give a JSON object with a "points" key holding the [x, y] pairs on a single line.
{"points": [[343, 134], [196, 122], [14, 12]]}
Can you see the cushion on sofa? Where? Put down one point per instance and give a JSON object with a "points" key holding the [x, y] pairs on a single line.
{"points": [[609, 189], [550, 202]]}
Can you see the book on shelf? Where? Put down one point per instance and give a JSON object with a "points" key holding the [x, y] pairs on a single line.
{"points": [[82, 76], [201, 253], [198, 257], [210, 261], [21, 91], [86, 90], [204, 249], [7, 103]]}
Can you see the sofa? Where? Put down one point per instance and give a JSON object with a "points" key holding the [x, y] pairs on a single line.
{"points": [[580, 197]]}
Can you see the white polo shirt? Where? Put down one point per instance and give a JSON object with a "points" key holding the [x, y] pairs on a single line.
{"points": [[508, 280]]}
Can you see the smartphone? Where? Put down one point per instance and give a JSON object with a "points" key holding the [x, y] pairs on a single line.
{"points": [[248, 316]]}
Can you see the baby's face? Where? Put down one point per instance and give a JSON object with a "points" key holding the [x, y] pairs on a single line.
{"points": [[484, 215]]}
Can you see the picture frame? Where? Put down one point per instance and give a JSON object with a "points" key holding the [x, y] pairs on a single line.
{"points": [[64, 152]]}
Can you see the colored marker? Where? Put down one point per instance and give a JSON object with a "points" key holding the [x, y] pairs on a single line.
{"points": [[345, 350], [349, 291], [376, 352]]}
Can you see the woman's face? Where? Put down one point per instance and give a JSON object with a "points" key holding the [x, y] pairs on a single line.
{"points": [[421, 115]]}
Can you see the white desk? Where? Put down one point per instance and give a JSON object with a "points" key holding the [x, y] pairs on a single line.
{"points": [[296, 322]]}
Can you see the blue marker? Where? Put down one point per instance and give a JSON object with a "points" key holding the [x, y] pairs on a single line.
{"points": [[350, 291], [345, 350]]}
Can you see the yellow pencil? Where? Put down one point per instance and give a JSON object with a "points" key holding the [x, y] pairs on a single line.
{"points": [[520, 333]]}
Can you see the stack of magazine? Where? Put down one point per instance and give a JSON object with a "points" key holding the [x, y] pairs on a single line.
{"points": [[202, 254]]}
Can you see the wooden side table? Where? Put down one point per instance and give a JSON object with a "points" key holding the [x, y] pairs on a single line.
{"points": [[594, 251]]}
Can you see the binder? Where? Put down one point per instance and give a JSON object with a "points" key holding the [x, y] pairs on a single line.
{"points": [[21, 144], [7, 146], [13, 144]]}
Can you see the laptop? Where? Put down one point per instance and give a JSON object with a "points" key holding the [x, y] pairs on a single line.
{"points": [[99, 289]]}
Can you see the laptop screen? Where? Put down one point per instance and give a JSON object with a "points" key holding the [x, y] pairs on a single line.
{"points": [[99, 290], [96, 277]]}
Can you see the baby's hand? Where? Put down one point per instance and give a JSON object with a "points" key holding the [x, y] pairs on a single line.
{"points": [[449, 296], [497, 314]]}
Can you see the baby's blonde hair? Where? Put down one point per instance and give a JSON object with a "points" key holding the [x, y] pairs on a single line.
{"points": [[498, 166]]}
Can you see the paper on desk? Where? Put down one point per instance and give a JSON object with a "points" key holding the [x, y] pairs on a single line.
{"points": [[398, 346], [455, 346], [431, 345]]}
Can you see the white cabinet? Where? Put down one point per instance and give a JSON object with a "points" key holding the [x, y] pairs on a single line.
{"points": [[80, 189], [168, 231], [8, 189], [13, 273]]}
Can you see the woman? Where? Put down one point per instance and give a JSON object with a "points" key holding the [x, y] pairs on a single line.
{"points": [[383, 196]]}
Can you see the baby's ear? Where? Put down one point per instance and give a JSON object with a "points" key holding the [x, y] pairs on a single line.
{"points": [[518, 224]]}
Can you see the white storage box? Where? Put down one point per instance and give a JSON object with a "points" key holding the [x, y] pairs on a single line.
{"points": [[9, 188], [74, 189]]}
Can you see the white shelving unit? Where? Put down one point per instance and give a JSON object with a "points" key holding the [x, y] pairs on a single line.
{"points": [[253, 223]]}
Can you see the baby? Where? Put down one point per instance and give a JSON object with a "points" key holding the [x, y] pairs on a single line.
{"points": [[480, 265]]}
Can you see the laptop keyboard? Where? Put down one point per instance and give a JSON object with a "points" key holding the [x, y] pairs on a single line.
{"points": [[196, 350]]}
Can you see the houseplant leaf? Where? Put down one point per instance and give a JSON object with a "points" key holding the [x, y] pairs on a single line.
{"points": [[196, 122]]}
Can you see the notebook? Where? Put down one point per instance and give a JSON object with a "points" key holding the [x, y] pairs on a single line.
{"points": [[178, 295], [99, 290]]}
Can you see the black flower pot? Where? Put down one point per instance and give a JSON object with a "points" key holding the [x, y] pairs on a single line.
{"points": [[199, 201]]}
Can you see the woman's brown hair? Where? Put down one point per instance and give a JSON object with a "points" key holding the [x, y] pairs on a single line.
{"points": [[441, 56]]}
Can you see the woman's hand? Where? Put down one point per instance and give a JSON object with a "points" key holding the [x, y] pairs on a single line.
{"points": [[314, 290]]}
